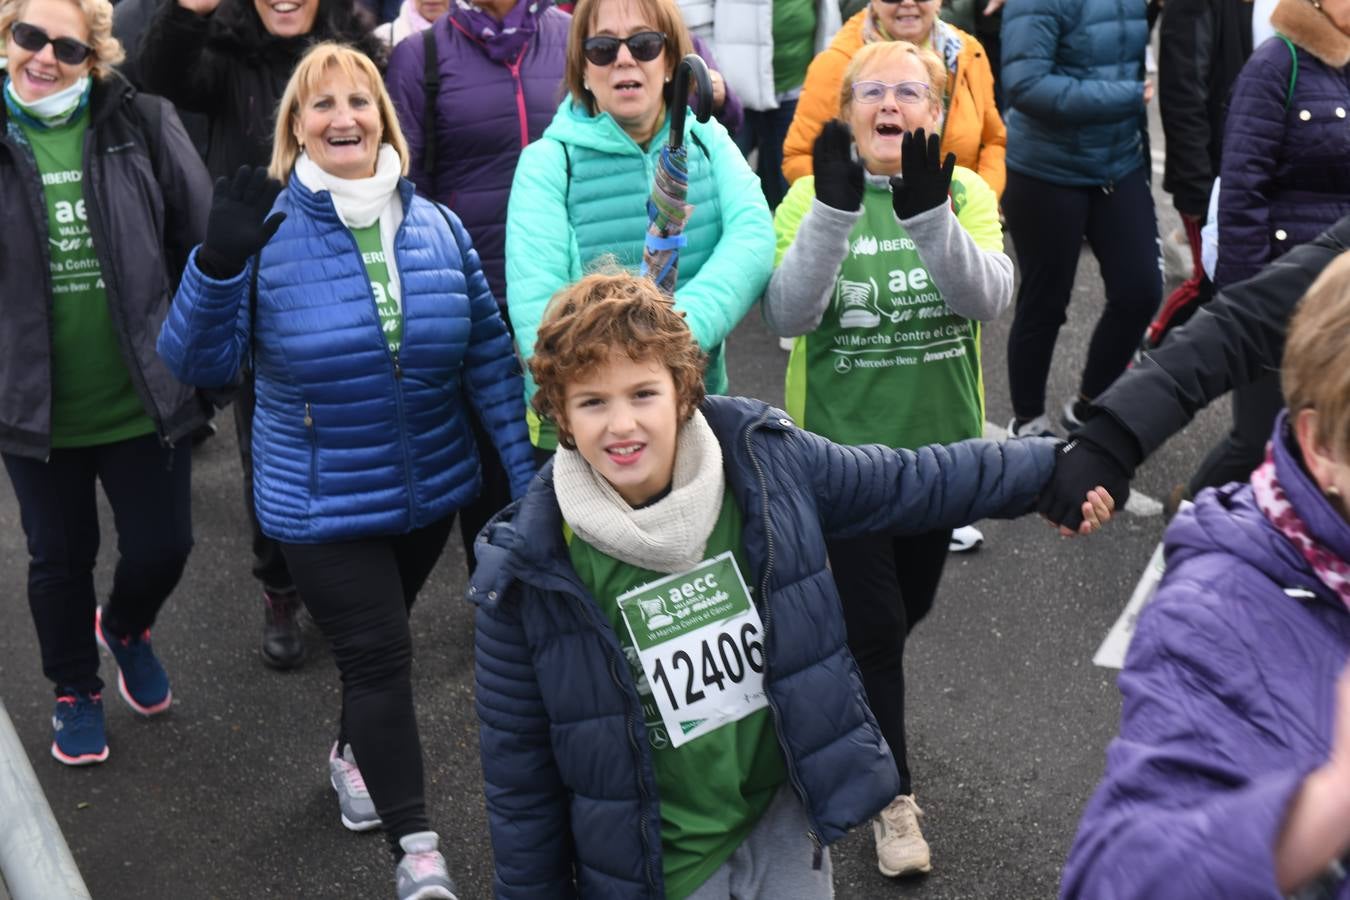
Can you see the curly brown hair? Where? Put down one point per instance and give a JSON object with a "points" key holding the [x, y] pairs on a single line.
{"points": [[606, 313]]}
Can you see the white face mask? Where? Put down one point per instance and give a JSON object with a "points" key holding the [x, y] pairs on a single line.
{"points": [[54, 108]]}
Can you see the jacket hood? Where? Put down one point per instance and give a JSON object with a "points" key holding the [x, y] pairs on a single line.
{"points": [[1309, 28], [1228, 521]]}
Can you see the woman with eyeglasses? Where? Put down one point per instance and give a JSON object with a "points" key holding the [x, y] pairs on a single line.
{"points": [[968, 119], [1078, 167], [889, 258], [580, 193], [103, 198]]}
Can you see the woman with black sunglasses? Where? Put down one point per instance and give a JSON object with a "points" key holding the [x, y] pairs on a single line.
{"points": [[103, 198], [580, 193]]}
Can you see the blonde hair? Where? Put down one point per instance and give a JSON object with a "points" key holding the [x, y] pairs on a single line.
{"points": [[890, 51], [1316, 370], [664, 16], [98, 16], [305, 80]]}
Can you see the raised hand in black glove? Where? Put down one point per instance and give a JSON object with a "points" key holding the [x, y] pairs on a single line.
{"points": [[839, 177], [925, 178], [236, 229], [1083, 464]]}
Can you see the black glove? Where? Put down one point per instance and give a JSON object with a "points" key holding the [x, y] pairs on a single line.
{"points": [[1102, 454], [839, 177], [235, 229], [924, 182]]}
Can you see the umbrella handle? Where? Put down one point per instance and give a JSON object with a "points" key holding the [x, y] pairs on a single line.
{"points": [[691, 64]]}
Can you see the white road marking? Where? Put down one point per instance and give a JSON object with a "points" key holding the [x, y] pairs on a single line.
{"points": [[1139, 504], [1111, 654]]}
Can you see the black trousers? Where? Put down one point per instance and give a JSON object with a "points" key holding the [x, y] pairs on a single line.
{"points": [[149, 487], [887, 585], [1234, 458], [360, 594], [1048, 223], [269, 563]]}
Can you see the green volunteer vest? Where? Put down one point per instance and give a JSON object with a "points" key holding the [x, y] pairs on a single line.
{"points": [[714, 789], [387, 301], [93, 399], [890, 363]]}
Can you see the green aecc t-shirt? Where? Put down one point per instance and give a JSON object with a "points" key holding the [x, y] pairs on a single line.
{"points": [[93, 399], [714, 788], [387, 301]]}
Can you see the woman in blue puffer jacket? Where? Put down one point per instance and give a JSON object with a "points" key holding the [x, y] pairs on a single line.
{"points": [[1078, 166], [368, 318]]}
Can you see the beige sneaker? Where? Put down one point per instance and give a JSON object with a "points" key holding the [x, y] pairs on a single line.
{"points": [[901, 849]]}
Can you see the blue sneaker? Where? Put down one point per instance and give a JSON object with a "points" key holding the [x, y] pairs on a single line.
{"points": [[141, 680], [78, 738]]}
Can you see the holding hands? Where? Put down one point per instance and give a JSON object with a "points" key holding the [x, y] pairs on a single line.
{"points": [[839, 177], [238, 225], [925, 178]]}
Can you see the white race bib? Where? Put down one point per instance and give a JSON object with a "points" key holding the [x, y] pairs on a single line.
{"points": [[699, 640]]}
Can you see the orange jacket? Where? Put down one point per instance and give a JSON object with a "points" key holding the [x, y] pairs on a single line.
{"points": [[973, 130]]}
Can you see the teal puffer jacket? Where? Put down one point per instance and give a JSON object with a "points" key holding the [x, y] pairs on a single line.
{"points": [[580, 193]]}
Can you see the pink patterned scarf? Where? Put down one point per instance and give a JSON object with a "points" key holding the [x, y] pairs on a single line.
{"points": [[1330, 569]]}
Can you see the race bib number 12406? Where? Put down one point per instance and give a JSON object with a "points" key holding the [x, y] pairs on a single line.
{"points": [[700, 641]]}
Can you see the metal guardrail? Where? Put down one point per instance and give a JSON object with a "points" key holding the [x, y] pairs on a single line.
{"points": [[35, 862]]}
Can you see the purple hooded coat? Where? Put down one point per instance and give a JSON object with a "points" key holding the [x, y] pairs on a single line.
{"points": [[1229, 702]]}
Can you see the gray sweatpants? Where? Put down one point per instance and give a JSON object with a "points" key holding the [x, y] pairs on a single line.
{"points": [[774, 860]]}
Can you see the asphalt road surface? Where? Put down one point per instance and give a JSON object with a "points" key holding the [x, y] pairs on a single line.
{"points": [[227, 795]]}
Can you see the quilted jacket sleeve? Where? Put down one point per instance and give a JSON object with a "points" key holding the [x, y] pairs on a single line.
{"points": [[541, 248], [1176, 816], [716, 299], [1233, 340], [492, 373], [205, 336], [1252, 139], [1033, 82], [860, 490], [526, 799]]}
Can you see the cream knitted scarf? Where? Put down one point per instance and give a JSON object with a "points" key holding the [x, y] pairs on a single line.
{"points": [[668, 536]]}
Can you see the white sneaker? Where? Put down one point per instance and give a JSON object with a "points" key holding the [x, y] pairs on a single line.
{"points": [[965, 539], [421, 874], [1037, 427], [901, 849]]}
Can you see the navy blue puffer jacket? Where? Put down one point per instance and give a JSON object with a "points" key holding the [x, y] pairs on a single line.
{"points": [[571, 792], [1286, 155], [349, 441], [1073, 76]]}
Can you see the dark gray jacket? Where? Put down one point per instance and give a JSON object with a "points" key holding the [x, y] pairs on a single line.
{"points": [[147, 196]]}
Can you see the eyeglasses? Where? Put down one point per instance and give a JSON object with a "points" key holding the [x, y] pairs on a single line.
{"points": [[645, 47], [919, 2], [33, 39], [909, 92]]}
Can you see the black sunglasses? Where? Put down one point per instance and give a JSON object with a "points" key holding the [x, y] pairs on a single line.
{"points": [[33, 39], [645, 47]]}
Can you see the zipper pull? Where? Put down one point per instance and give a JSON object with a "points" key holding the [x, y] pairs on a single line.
{"points": [[398, 370], [309, 420]]}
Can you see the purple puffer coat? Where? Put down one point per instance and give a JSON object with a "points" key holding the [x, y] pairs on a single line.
{"points": [[1229, 695], [1285, 169], [486, 112]]}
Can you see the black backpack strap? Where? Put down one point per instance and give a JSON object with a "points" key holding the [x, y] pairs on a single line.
{"points": [[693, 136], [567, 170], [431, 85]]}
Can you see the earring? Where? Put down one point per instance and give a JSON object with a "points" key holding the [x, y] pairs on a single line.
{"points": [[1333, 492]]}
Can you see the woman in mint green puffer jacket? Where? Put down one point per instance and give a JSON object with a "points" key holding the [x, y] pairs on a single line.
{"points": [[580, 194]]}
